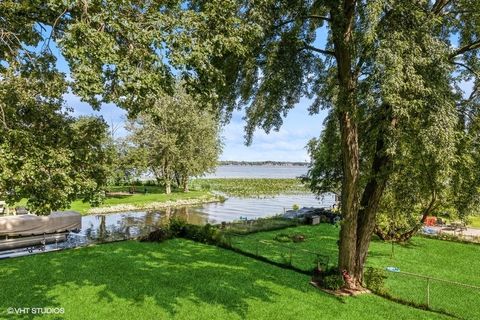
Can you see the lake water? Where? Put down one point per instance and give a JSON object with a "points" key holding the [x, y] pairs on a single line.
{"points": [[237, 171], [117, 226]]}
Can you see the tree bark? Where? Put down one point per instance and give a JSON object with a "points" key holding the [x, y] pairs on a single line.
{"points": [[185, 183], [168, 185], [374, 188], [349, 198], [342, 19]]}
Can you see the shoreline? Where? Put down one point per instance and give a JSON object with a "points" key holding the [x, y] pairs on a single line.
{"points": [[155, 205]]}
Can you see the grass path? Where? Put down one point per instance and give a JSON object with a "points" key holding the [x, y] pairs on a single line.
{"points": [[177, 279]]}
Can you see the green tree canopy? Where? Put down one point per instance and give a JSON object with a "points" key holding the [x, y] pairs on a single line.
{"points": [[176, 137]]}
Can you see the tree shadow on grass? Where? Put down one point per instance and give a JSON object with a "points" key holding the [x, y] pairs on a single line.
{"points": [[177, 269]]}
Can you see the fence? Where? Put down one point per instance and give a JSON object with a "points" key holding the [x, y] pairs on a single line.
{"points": [[279, 253], [451, 297]]}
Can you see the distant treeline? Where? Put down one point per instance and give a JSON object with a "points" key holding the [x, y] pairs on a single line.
{"points": [[262, 163]]}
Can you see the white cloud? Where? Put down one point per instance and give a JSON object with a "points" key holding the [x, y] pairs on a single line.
{"points": [[287, 144]]}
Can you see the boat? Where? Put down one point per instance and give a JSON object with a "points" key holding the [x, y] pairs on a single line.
{"points": [[31, 231]]}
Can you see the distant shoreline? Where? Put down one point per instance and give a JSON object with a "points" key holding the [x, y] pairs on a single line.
{"points": [[262, 163]]}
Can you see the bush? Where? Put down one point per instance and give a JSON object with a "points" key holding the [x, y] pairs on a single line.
{"points": [[177, 226], [282, 237], [374, 279], [158, 235], [333, 281], [205, 234], [298, 237], [330, 279]]}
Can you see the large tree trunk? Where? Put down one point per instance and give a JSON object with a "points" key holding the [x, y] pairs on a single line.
{"points": [[349, 198], [374, 188], [342, 19]]}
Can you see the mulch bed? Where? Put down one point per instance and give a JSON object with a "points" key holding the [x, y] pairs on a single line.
{"points": [[344, 292]]}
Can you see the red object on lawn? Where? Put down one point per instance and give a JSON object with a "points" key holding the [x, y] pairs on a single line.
{"points": [[430, 221]]}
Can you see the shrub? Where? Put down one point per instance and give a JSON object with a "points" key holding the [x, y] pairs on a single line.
{"points": [[330, 279], [298, 237], [282, 237], [158, 235], [205, 234], [374, 279], [295, 207], [333, 281], [177, 226]]}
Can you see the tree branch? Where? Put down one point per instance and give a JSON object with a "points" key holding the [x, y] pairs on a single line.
{"points": [[439, 5], [476, 74], [469, 47], [322, 51], [324, 18]]}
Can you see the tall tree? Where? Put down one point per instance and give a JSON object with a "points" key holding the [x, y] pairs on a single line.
{"points": [[388, 71], [177, 136]]}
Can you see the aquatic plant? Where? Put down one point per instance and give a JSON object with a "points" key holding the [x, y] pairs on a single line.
{"points": [[248, 187]]}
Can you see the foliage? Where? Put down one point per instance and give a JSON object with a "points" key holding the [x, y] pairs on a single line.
{"points": [[159, 235], [283, 237], [176, 137], [246, 187], [333, 281], [375, 279]]}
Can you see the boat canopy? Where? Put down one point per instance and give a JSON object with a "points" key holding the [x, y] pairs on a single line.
{"points": [[28, 224]]}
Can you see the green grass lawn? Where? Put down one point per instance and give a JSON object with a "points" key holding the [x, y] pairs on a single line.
{"points": [[140, 199], [154, 194], [474, 222], [435, 258], [177, 279]]}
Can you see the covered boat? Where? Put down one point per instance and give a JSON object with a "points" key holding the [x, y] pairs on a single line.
{"points": [[30, 230]]}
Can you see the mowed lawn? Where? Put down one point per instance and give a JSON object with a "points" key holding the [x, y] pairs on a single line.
{"points": [[178, 279], [139, 199], [447, 260]]}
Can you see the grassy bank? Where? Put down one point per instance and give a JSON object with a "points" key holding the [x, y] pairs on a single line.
{"points": [[474, 222], [251, 187], [153, 199], [446, 260], [177, 279], [118, 199]]}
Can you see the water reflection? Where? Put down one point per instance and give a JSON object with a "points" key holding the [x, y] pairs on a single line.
{"points": [[128, 225]]}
